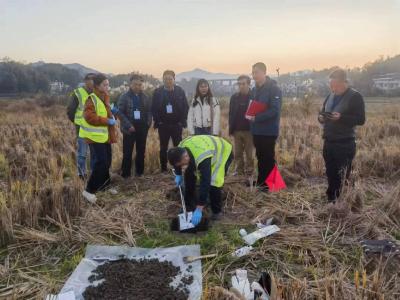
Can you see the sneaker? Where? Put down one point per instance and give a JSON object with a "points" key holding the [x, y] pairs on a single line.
{"points": [[113, 191], [89, 197]]}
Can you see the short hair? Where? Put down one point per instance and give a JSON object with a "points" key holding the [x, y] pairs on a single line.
{"points": [[261, 66], [89, 76], [244, 77], [338, 74], [136, 77], [168, 72], [175, 155], [98, 79]]}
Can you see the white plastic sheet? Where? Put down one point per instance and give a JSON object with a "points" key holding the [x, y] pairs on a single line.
{"points": [[78, 281], [62, 296], [253, 237]]}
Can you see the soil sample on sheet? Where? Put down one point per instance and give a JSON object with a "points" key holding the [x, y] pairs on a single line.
{"points": [[145, 279]]}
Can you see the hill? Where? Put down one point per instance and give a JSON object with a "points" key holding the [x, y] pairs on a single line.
{"points": [[82, 70], [199, 73]]}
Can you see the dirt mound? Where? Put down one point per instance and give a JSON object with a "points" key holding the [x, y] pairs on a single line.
{"points": [[145, 279]]}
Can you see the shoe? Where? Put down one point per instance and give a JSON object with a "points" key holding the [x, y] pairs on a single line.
{"points": [[113, 191], [89, 197], [216, 217]]}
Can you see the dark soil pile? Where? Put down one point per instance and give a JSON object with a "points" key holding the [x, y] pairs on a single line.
{"points": [[146, 279]]}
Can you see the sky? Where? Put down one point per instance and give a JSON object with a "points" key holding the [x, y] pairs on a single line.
{"points": [[120, 36]]}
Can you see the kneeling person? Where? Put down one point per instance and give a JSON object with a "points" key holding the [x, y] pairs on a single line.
{"points": [[203, 159]]}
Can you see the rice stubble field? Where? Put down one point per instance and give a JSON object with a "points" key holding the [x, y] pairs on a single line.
{"points": [[45, 224]]}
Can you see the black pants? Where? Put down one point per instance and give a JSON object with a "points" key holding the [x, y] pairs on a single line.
{"points": [[265, 152], [214, 194], [167, 132], [338, 156], [100, 175], [139, 138]]}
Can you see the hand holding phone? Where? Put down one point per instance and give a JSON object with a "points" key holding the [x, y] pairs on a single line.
{"points": [[326, 114], [334, 116]]}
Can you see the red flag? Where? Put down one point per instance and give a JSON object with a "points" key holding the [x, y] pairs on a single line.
{"points": [[275, 181], [255, 107]]}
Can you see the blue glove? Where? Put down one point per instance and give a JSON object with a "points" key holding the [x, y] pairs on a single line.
{"points": [[178, 180], [111, 121], [196, 217], [114, 109]]}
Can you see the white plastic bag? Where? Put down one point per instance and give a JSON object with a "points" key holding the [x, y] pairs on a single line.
{"points": [[242, 251], [241, 283]]}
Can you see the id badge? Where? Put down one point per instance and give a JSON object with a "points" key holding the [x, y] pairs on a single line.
{"points": [[136, 114], [169, 109]]}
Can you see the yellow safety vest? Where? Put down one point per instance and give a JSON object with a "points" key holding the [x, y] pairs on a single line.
{"points": [[208, 146], [82, 96], [97, 134]]}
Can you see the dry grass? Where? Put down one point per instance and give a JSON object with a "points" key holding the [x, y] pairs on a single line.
{"points": [[44, 224], [317, 254]]}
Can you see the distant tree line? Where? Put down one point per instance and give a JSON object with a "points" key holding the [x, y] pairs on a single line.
{"points": [[16, 77], [361, 78]]}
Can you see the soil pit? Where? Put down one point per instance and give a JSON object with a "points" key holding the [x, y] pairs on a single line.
{"points": [[145, 279]]}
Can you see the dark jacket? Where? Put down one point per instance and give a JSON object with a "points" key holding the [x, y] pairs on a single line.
{"points": [[233, 108], [72, 107], [204, 169], [267, 122], [352, 113], [179, 104], [71, 110], [126, 111]]}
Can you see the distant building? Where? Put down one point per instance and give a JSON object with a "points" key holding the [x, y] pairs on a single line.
{"points": [[297, 86], [58, 87], [387, 82], [123, 88], [219, 87], [223, 87], [301, 73], [120, 89]]}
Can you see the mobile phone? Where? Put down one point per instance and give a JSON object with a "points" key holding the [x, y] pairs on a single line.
{"points": [[326, 114]]}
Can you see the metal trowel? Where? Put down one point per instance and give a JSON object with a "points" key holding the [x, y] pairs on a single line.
{"points": [[185, 218]]}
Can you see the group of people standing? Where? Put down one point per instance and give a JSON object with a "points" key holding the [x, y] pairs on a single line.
{"points": [[204, 155]]}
